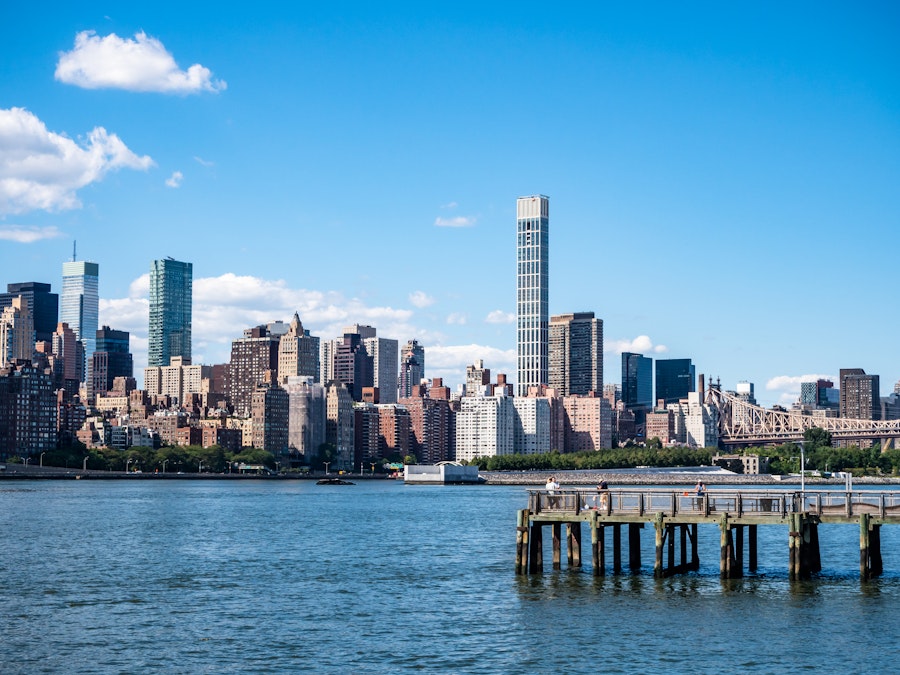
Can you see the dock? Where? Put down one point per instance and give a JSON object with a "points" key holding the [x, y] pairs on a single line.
{"points": [[676, 516]]}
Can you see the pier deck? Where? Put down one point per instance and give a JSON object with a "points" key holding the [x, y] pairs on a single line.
{"points": [[681, 511]]}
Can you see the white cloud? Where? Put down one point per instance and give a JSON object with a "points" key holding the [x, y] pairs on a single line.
{"points": [[24, 234], [642, 344], [203, 162], [449, 205], [139, 64], [456, 319], [40, 169], [420, 299], [174, 181], [450, 361], [458, 221], [789, 385], [499, 316]]}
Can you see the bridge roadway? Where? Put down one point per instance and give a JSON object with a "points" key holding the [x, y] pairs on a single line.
{"points": [[681, 511]]}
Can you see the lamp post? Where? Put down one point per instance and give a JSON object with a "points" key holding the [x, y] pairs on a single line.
{"points": [[26, 460], [84, 464], [326, 467], [42, 459], [372, 464], [200, 467], [165, 461], [127, 463]]}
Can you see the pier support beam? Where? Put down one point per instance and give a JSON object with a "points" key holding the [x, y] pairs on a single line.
{"points": [[660, 529], [536, 549], [522, 542], [752, 559], [870, 562], [728, 568], [574, 544], [556, 529], [617, 549], [634, 546]]}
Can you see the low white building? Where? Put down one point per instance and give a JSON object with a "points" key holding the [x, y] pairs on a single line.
{"points": [[485, 427]]}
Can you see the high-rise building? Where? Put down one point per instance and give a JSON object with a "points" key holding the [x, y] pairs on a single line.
{"points": [[27, 411], [43, 304], [16, 333], [298, 353], [820, 394], [412, 367], [383, 352], [69, 353], [637, 381], [80, 305], [576, 354], [254, 359], [860, 394], [675, 378], [306, 416], [112, 358], [171, 288], [532, 300], [477, 379], [353, 365], [340, 425]]}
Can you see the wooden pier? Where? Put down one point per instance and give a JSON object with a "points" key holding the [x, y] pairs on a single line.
{"points": [[676, 515]]}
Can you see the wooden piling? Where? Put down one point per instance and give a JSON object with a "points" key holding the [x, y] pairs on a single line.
{"points": [[752, 559], [536, 552], [660, 530], [875, 563], [575, 538], [695, 556], [617, 549], [521, 529], [555, 528], [595, 546], [683, 532], [738, 571], [601, 547], [670, 549], [634, 546], [864, 571]]}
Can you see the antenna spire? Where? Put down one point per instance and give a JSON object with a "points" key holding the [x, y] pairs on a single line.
{"points": [[74, 245]]}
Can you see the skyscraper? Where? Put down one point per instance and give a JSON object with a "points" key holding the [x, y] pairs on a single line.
{"points": [[412, 367], [576, 354], [43, 304], [532, 300], [112, 358], [674, 379], [860, 396], [171, 285], [637, 381], [80, 304]]}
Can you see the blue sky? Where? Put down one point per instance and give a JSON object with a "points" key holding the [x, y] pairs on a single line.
{"points": [[723, 179]]}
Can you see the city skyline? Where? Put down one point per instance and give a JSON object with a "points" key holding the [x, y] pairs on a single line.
{"points": [[723, 182]]}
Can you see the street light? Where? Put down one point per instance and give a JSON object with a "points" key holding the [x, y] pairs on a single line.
{"points": [[165, 461], [42, 459], [84, 464], [326, 467], [26, 460], [200, 467], [127, 463]]}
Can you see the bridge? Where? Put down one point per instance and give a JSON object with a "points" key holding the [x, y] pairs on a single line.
{"points": [[742, 424], [677, 514]]}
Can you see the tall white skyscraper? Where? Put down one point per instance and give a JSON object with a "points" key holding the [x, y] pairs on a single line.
{"points": [[80, 305], [532, 301]]}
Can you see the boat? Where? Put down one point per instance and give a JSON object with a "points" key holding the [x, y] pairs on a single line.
{"points": [[334, 481]]}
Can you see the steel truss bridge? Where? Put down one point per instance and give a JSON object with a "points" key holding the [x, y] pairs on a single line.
{"points": [[744, 424]]}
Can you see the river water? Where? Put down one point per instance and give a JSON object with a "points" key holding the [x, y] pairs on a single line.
{"points": [[286, 576]]}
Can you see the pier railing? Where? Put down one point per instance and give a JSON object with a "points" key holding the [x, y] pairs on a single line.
{"points": [[734, 503]]}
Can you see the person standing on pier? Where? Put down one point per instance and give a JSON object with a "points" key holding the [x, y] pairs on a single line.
{"points": [[551, 488]]}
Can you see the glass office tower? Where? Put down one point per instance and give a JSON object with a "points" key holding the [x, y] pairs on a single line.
{"points": [[169, 334]]}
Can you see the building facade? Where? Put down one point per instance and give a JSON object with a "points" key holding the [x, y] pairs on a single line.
{"points": [[860, 394], [675, 378], [576, 354], [412, 368], [112, 358], [637, 381], [298, 353], [171, 297], [43, 305], [80, 305], [532, 291]]}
